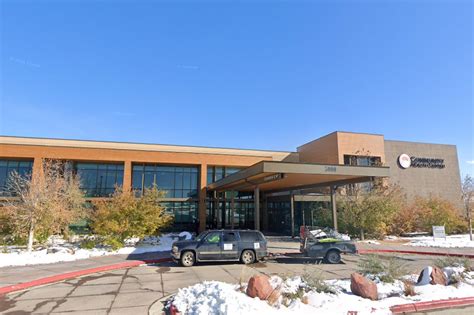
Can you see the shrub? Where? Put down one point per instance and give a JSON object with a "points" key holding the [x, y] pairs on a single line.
{"points": [[314, 281], [452, 261], [387, 269], [436, 211], [408, 288], [89, 243], [369, 212], [124, 215]]}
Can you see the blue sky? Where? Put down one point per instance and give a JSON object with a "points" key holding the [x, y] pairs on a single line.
{"points": [[249, 74]]}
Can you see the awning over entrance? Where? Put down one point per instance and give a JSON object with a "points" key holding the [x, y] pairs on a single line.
{"points": [[271, 176]]}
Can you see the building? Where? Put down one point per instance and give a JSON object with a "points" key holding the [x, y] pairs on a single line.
{"points": [[223, 188]]}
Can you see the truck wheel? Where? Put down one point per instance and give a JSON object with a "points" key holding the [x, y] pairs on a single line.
{"points": [[247, 257], [187, 259], [333, 257]]}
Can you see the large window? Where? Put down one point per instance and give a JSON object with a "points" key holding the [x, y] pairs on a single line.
{"points": [[215, 173], [358, 160], [99, 180], [7, 167], [185, 214], [175, 181]]}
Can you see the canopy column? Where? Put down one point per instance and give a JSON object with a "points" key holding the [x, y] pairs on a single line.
{"points": [[333, 206], [292, 213], [256, 208]]}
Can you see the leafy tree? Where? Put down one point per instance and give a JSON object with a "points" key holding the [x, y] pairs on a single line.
{"points": [[369, 211], [124, 216], [436, 211], [468, 199], [43, 203]]}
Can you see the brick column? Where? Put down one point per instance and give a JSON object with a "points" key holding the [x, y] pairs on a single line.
{"points": [[127, 176], [37, 166], [202, 198]]}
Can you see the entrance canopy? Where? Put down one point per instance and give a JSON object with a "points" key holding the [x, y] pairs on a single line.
{"points": [[272, 176]]}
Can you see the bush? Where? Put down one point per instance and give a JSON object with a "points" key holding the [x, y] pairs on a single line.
{"points": [[314, 281], [124, 216], [387, 269], [89, 243], [369, 212], [451, 261]]}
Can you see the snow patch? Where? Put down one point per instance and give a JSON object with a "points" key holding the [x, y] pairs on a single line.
{"points": [[451, 241], [60, 251]]}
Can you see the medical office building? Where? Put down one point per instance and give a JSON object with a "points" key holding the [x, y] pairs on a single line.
{"points": [[273, 191]]}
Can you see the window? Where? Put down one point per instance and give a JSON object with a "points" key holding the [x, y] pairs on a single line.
{"points": [[175, 181], [99, 180], [215, 173], [214, 237], [249, 236], [7, 167], [229, 237], [358, 160]]}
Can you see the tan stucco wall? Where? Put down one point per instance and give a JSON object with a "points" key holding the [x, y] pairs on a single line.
{"points": [[331, 148], [360, 144], [322, 150]]}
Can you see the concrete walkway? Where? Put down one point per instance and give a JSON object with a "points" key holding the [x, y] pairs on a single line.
{"points": [[19, 274], [134, 290]]}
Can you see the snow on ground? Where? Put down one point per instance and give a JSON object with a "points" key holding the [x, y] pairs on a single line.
{"points": [[451, 241], [213, 297], [60, 251]]}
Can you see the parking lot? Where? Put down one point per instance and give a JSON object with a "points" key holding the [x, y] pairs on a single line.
{"points": [[134, 290]]}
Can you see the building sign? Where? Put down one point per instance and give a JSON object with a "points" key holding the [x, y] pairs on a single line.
{"points": [[273, 177], [405, 161], [439, 231]]}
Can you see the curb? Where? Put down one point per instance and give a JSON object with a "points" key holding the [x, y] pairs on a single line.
{"points": [[431, 305], [368, 251], [74, 274]]}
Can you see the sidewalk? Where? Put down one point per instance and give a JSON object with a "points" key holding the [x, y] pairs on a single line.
{"points": [[19, 274], [461, 251]]}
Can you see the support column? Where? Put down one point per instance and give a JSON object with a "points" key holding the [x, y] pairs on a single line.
{"points": [[202, 198], [256, 208], [232, 209], [292, 212], [37, 167], [219, 210], [334, 208], [265, 213], [127, 176]]}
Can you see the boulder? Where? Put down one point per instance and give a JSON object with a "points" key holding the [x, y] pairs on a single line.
{"points": [[259, 286], [363, 287], [432, 275]]}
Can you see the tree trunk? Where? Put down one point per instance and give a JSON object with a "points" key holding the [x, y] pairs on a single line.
{"points": [[31, 236], [470, 228], [362, 236]]}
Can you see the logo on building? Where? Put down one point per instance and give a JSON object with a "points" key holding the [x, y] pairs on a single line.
{"points": [[406, 161]]}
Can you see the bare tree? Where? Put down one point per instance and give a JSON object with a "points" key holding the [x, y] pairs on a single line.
{"points": [[46, 201], [468, 199]]}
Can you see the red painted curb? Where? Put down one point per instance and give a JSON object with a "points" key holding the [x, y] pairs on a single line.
{"points": [[431, 305], [368, 251], [74, 274]]}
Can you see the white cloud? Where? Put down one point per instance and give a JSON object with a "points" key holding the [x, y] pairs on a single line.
{"points": [[470, 162]]}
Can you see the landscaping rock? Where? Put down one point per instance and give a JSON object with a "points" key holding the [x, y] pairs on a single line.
{"points": [[61, 250], [259, 286], [432, 275], [363, 287]]}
